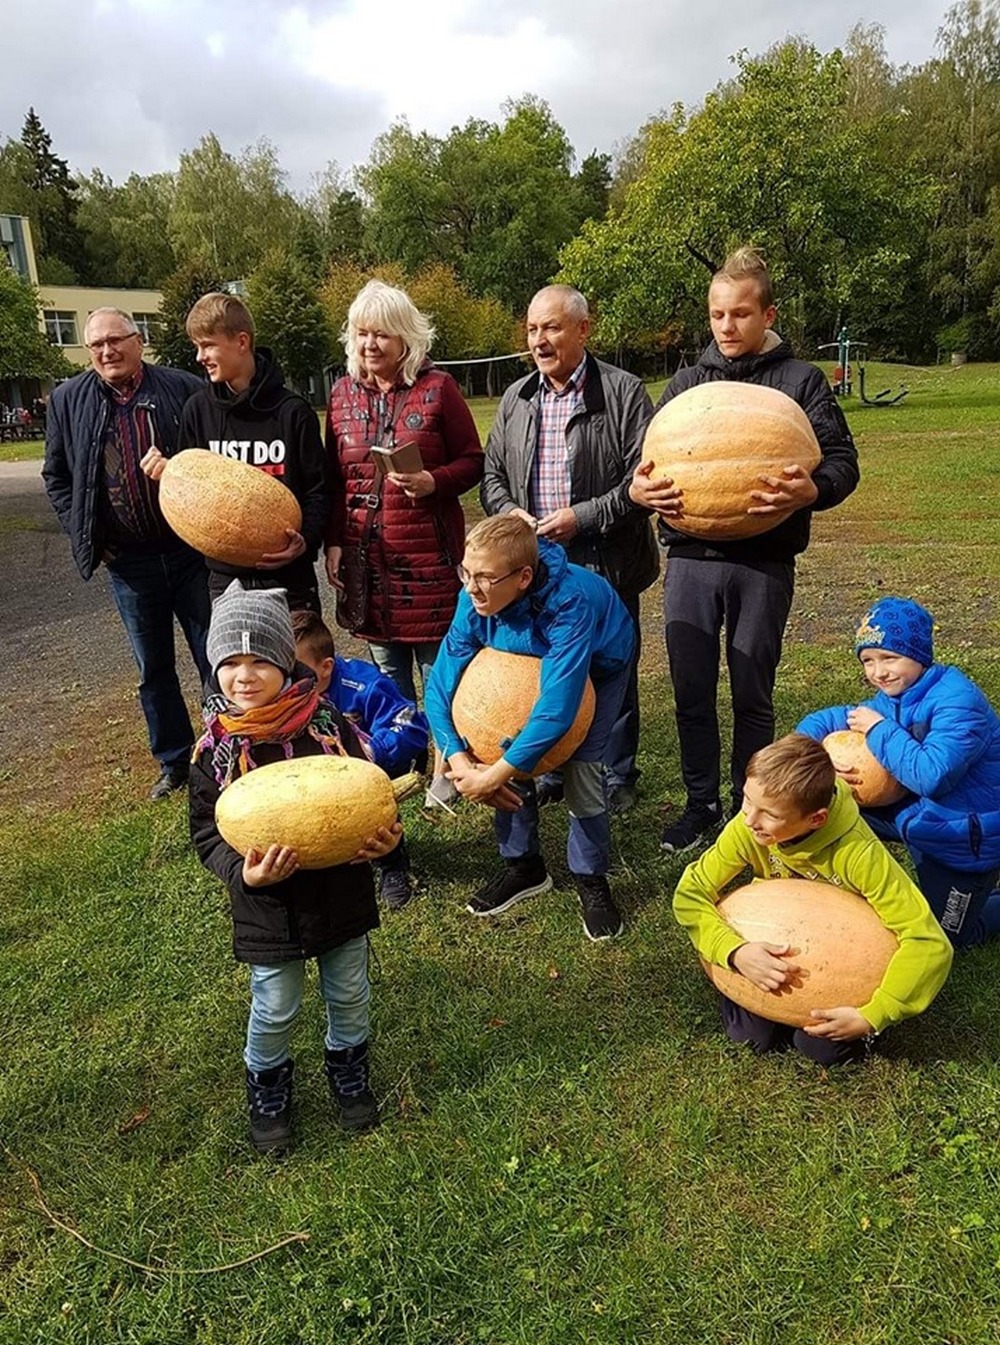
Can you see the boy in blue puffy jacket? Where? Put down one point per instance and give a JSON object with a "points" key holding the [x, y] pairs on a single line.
{"points": [[520, 594], [391, 729], [933, 729]]}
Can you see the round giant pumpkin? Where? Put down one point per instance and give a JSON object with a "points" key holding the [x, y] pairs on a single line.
{"points": [[226, 509], [838, 942], [715, 441], [494, 701], [323, 807], [848, 750]]}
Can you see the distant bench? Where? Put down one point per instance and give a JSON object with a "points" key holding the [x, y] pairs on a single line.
{"points": [[16, 433]]}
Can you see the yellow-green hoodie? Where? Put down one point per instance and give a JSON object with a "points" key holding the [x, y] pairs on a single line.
{"points": [[844, 851]]}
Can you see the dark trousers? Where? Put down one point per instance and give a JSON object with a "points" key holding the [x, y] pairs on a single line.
{"points": [[303, 595], [763, 1035], [150, 589], [967, 905], [701, 598], [623, 741]]}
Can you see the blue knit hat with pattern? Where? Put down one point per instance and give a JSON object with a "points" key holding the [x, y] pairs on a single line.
{"points": [[900, 626]]}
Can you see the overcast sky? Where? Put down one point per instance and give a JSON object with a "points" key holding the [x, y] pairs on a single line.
{"points": [[128, 85]]}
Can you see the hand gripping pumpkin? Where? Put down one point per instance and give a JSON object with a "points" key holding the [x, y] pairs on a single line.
{"points": [[494, 701], [847, 749], [714, 441], [840, 945], [322, 807], [226, 509]]}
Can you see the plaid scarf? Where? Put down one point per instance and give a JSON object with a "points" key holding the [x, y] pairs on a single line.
{"points": [[230, 737]]}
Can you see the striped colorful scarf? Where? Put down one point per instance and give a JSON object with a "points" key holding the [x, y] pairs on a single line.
{"points": [[230, 737]]}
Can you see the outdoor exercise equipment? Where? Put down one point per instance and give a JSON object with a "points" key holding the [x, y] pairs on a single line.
{"points": [[843, 374]]}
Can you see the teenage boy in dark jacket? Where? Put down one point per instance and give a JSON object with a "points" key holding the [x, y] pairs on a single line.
{"points": [[745, 586], [246, 412]]}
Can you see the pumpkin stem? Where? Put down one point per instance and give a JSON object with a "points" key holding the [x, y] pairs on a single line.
{"points": [[406, 785]]}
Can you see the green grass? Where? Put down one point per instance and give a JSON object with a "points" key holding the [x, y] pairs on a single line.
{"points": [[27, 451], [571, 1151]]}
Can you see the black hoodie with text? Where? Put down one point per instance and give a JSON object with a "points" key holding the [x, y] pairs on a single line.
{"points": [[272, 428]]}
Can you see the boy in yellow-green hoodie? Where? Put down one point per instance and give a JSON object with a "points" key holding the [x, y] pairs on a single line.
{"points": [[799, 821]]}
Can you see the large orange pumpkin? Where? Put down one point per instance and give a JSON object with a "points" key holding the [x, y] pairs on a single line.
{"points": [[323, 807], [839, 943], [847, 749], [226, 509], [494, 701], [715, 441]]}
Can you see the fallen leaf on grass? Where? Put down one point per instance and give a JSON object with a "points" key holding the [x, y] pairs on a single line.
{"points": [[140, 1118]]}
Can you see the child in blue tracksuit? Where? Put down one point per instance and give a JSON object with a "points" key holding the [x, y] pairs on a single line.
{"points": [[391, 728], [521, 595], [933, 729]]}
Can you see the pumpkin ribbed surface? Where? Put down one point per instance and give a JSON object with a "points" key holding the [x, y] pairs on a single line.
{"points": [[847, 749], [225, 509], [839, 943], [714, 441], [494, 701], [322, 807]]}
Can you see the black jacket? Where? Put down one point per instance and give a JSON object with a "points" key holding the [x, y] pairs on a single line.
{"points": [[79, 410], [835, 477], [605, 443], [271, 427], [306, 915]]}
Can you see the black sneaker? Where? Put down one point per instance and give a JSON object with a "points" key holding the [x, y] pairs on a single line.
{"points": [[269, 1097], [696, 823], [395, 888], [548, 789], [353, 1100], [601, 919], [171, 779], [519, 879]]}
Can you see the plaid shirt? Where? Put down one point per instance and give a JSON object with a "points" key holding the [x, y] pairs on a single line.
{"points": [[550, 479]]}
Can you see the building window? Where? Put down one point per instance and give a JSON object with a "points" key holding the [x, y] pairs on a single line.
{"points": [[148, 324], [60, 327]]}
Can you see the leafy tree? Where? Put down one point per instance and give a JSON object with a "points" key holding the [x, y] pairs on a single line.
{"points": [[772, 159], [593, 186], [340, 288], [24, 350], [289, 317], [125, 227], [181, 291], [59, 241], [230, 211]]}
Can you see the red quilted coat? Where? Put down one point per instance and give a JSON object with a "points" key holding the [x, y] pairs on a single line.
{"points": [[416, 544]]}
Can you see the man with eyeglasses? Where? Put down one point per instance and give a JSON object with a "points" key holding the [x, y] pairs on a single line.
{"points": [[561, 454], [101, 424]]}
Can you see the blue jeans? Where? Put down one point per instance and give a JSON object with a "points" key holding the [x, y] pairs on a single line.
{"points": [[277, 998], [150, 589], [396, 661], [588, 847], [966, 905]]}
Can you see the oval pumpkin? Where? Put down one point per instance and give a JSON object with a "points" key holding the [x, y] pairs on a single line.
{"points": [[847, 749], [226, 509], [323, 807], [494, 701], [839, 943], [714, 441]]}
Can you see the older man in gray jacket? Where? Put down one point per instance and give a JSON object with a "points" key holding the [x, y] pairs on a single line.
{"points": [[561, 453]]}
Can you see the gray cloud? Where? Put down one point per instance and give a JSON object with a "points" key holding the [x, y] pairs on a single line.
{"points": [[129, 86]]}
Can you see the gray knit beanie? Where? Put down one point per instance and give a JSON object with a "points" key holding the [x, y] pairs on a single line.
{"points": [[251, 621]]}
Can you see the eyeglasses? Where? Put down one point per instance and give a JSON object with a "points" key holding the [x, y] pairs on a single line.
{"points": [[112, 342], [485, 583]]}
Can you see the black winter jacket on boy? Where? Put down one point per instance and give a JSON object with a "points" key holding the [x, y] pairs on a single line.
{"points": [[272, 428], [304, 916]]}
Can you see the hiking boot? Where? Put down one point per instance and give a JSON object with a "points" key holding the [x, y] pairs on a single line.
{"points": [[601, 919], [269, 1097], [171, 779], [395, 888], [519, 879], [621, 798], [354, 1102], [695, 824]]}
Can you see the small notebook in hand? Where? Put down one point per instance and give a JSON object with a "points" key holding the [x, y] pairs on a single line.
{"points": [[402, 458]]}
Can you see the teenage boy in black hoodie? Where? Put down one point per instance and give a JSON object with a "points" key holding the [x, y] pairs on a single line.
{"points": [[247, 412], [745, 586]]}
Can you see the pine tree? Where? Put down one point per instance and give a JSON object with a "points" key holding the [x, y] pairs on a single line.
{"points": [[60, 244]]}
